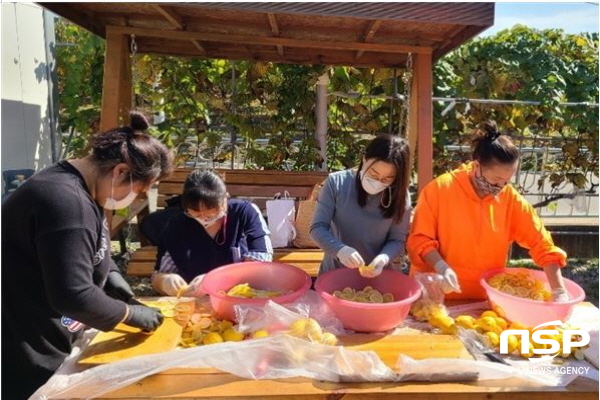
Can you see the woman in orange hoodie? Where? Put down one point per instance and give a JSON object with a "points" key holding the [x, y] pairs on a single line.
{"points": [[466, 220]]}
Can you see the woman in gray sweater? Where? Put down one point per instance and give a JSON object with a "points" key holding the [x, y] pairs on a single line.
{"points": [[362, 215]]}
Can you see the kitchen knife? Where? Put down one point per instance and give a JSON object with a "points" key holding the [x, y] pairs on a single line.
{"points": [[475, 344]]}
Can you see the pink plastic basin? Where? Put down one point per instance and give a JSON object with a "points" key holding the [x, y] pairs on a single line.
{"points": [[531, 312], [270, 276], [369, 317]]}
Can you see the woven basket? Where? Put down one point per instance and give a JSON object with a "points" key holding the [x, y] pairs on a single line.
{"points": [[306, 209]]}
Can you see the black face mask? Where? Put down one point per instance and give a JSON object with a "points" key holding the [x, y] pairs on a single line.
{"points": [[485, 187]]}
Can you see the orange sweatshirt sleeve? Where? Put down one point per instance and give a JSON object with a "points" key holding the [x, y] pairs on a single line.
{"points": [[423, 232], [529, 232]]}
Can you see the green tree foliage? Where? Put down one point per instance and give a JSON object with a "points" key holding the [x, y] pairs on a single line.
{"points": [[269, 107], [549, 67], [80, 66]]}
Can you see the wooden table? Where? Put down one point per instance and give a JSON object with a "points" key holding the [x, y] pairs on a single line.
{"points": [[180, 384], [184, 383]]}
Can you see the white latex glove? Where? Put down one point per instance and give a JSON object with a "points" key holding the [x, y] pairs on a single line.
{"points": [[169, 284], [350, 257], [374, 269], [450, 278], [560, 295], [194, 289]]}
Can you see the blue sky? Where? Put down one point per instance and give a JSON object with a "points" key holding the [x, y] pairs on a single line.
{"points": [[573, 17]]}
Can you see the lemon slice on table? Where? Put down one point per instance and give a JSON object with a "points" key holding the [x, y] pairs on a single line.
{"points": [[167, 308]]}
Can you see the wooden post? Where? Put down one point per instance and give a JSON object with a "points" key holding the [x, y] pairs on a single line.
{"points": [[321, 121], [421, 118], [116, 87]]}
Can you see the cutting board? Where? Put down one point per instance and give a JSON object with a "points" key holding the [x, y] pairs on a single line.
{"points": [[419, 347], [125, 342]]}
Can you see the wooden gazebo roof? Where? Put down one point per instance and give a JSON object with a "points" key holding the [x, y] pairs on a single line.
{"points": [[360, 34]]}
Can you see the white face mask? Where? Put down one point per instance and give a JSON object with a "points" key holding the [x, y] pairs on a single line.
{"points": [[371, 186], [112, 204], [206, 222]]}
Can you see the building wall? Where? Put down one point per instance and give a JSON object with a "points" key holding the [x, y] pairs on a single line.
{"points": [[28, 137]]}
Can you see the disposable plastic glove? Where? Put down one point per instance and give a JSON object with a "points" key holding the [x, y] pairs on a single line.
{"points": [[375, 267], [194, 289], [560, 295], [117, 287], [169, 284], [350, 257], [145, 318], [450, 278]]}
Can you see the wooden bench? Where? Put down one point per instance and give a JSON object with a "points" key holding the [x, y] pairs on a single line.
{"points": [[144, 259], [257, 186]]}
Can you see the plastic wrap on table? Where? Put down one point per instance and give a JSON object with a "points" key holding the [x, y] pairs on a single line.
{"points": [[284, 356], [278, 356]]}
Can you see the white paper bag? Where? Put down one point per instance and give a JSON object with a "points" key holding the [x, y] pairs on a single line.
{"points": [[280, 214]]}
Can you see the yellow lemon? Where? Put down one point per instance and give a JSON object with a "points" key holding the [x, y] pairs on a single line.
{"points": [[450, 330], [365, 270], [298, 327], [501, 323], [487, 323], [529, 353], [313, 330], [513, 343], [233, 335], [466, 321], [212, 338], [499, 311], [493, 338], [329, 339], [225, 324], [517, 325], [489, 313], [441, 321], [260, 334]]}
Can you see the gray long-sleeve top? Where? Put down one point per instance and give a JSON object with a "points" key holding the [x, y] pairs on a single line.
{"points": [[339, 220]]}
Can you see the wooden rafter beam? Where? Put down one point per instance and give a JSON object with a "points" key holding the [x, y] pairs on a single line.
{"points": [[268, 41], [373, 26], [177, 21], [275, 30], [200, 48]]}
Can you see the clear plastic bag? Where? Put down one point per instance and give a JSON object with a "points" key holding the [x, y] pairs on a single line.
{"points": [[432, 298], [274, 317]]}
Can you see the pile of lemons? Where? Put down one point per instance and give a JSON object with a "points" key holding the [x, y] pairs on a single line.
{"points": [[520, 284], [366, 295], [309, 329], [423, 309], [490, 325], [205, 329], [247, 291]]}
